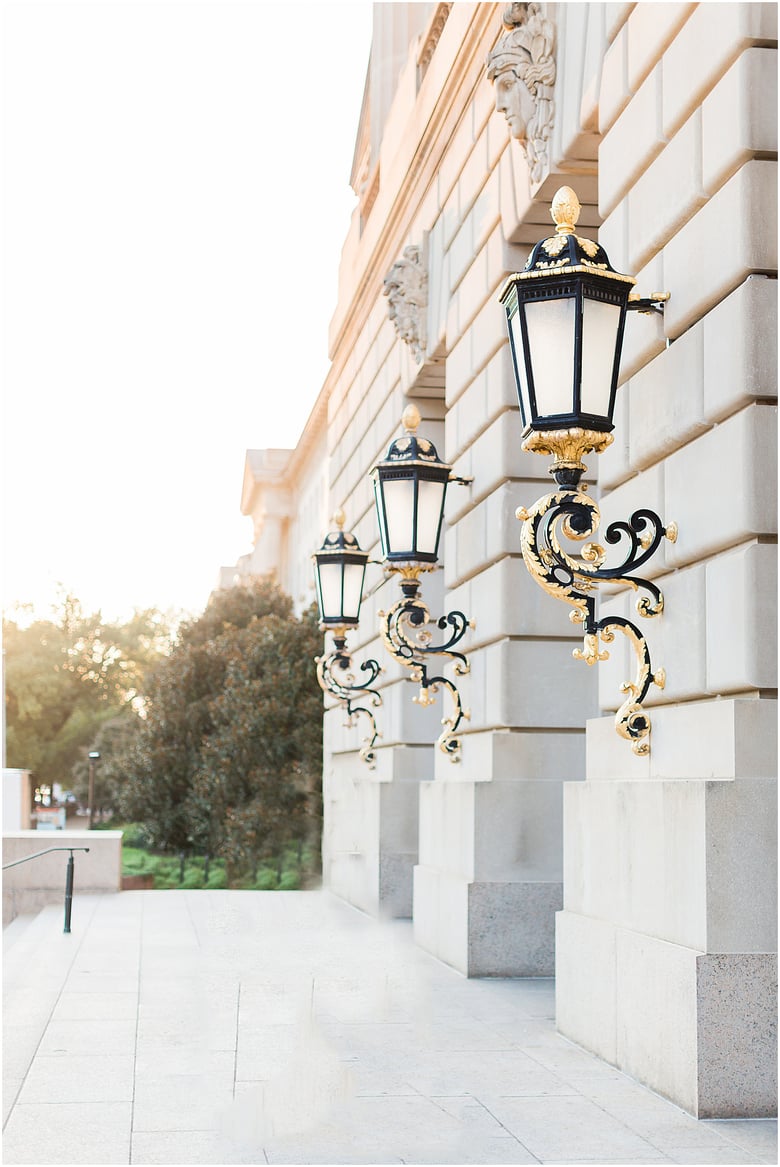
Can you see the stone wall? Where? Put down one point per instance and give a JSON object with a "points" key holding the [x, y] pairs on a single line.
{"points": [[665, 947], [472, 849], [17, 799], [31, 886]]}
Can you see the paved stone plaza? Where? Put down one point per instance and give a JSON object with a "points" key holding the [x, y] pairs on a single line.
{"points": [[287, 1027]]}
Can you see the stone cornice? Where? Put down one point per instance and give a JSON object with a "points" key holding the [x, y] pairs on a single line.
{"points": [[271, 474], [464, 75], [431, 38], [362, 139], [262, 468], [312, 432]]}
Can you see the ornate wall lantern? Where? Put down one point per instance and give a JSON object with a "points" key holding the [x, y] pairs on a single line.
{"points": [[410, 487], [339, 570], [566, 314]]}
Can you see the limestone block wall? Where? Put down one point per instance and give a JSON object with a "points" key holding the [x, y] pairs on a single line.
{"points": [[310, 520], [489, 878], [666, 944], [370, 841], [482, 837]]}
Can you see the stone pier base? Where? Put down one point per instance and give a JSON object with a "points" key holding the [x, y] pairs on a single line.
{"points": [[487, 929], [699, 1028]]}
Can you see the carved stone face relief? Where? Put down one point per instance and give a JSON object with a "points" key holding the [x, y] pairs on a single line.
{"points": [[514, 101], [406, 288], [522, 66]]}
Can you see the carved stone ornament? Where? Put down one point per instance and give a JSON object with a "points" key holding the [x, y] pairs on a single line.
{"points": [[435, 29], [406, 288], [522, 67]]}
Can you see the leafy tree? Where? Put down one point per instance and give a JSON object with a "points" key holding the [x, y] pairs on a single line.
{"points": [[258, 785], [166, 754], [231, 609], [66, 676], [228, 759], [115, 742]]}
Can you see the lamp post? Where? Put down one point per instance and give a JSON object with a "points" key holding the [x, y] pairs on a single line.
{"points": [[566, 315], [339, 571], [94, 755], [410, 487]]}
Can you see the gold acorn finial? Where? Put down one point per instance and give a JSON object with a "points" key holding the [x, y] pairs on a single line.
{"points": [[565, 210], [339, 518], [410, 418]]}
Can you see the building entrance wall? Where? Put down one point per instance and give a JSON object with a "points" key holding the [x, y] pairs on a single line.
{"points": [[645, 883]]}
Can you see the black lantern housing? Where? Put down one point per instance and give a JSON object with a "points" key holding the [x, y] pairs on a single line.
{"points": [[339, 570], [410, 487], [566, 315]]}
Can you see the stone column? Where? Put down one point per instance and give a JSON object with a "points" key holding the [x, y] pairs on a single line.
{"points": [[266, 497], [489, 880], [371, 815]]}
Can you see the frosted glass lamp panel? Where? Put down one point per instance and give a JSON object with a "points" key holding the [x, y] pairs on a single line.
{"points": [[430, 501], [600, 324], [380, 514], [353, 590], [399, 514], [550, 325], [330, 591], [522, 379]]}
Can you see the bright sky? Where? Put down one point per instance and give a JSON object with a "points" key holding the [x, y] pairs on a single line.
{"points": [[176, 196]]}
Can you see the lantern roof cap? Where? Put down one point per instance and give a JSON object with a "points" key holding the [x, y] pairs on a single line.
{"points": [[409, 449], [567, 253], [339, 539]]}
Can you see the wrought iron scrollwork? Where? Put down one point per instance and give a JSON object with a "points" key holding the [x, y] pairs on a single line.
{"points": [[574, 578], [406, 634], [335, 673]]}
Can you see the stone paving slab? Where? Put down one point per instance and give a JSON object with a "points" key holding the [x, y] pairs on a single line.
{"points": [[286, 1027]]}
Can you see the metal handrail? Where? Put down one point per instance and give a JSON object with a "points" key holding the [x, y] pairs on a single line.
{"points": [[68, 876]]}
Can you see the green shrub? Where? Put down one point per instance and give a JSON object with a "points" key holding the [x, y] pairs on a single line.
{"points": [[135, 835], [138, 860]]}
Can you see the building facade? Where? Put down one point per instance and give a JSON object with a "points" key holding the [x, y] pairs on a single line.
{"points": [[285, 494], [644, 882]]}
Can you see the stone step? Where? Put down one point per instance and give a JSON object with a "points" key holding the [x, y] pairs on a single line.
{"points": [[12, 931]]}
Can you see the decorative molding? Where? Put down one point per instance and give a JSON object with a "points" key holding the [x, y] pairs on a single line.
{"points": [[426, 152], [431, 39], [406, 288], [522, 66], [370, 192]]}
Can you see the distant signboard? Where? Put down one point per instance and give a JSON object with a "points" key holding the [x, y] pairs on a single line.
{"points": [[50, 818]]}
